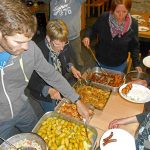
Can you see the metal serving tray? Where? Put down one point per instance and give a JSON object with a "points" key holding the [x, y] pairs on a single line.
{"points": [[58, 107], [98, 70], [64, 101], [52, 114], [98, 86]]}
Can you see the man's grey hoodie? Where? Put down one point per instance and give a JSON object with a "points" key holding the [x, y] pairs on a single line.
{"points": [[16, 74]]}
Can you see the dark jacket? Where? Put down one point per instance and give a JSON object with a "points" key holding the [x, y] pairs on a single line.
{"points": [[142, 138], [114, 51], [36, 83]]}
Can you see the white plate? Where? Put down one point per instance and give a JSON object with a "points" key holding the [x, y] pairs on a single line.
{"points": [[136, 16], [146, 61], [125, 141], [143, 29], [138, 93], [141, 21]]}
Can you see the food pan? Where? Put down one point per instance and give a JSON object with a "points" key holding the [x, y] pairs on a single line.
{"points": [[69, 109], [60, 128], [134, 75], [93, 94], [106, 80]]}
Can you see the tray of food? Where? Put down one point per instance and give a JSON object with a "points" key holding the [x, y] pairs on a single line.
{"points": [[69, 109], [92, 94], [113, 79], [24, 141], [62, 132]]}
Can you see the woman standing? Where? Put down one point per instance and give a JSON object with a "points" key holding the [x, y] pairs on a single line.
{"points": [[117, 34]]}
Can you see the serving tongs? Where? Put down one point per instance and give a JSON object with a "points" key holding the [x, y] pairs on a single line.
{"points": [[88, 142], [82, 81], [99, 65]]}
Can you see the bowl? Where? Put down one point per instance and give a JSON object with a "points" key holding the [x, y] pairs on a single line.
{"points": [[134, 75], [36, 140]]}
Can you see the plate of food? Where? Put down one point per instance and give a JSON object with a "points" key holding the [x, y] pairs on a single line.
{"points": [[141, 21], [146, 61], [135, 93], [143, 29], [136, 16], [117, 139]]}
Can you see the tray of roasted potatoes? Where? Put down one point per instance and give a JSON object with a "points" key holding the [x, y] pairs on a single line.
{"points": [[110, 78], [69, 109], [92, 94], [65, 133]]}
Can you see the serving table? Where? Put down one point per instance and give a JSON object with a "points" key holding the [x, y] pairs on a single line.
{"points": [[144, 16], [116, 107]]}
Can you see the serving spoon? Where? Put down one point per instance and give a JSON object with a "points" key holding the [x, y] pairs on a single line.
{"points": [[101, 68]]}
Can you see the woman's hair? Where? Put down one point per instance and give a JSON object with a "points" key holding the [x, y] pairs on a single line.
{"points": [[57, 30], [15, 18], [126, 3]]}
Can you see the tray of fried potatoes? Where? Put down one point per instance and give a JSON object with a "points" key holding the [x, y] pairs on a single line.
{"points": [[65, 133], [92, 94], [69, 109]]}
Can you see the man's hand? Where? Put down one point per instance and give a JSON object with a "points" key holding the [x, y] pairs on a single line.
{"points": [[86, 42], [54, 94], [75, 72], [138, 69], [83, 111]]}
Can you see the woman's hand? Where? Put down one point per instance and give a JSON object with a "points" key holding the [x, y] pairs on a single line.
{"points": [[140, 81], [116, 123], [123, 121], [138, 69], [83, 111], [86, 42], [54, 94], [75, 72]]}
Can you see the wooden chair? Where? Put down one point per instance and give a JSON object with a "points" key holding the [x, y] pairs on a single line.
{"points": [[99, 4], [129, 62], [106, 4]]}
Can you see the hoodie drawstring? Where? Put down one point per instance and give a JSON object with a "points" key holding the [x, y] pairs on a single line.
{"points": [[10, 104], [22, 67]]}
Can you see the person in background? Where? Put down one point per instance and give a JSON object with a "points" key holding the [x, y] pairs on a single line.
{"points": [[19, 56], [142, 139], [55, 48], [117, 34], [70, 12]]}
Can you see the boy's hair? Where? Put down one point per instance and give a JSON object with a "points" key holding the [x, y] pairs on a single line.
{"points": [[57, 30], [126, 3], [16, 18]]}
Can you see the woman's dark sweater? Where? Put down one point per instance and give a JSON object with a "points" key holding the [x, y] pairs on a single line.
{"points": [[114, 51]]}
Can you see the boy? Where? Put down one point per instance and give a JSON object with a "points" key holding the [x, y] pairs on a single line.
{"points": [[55, 48]]}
